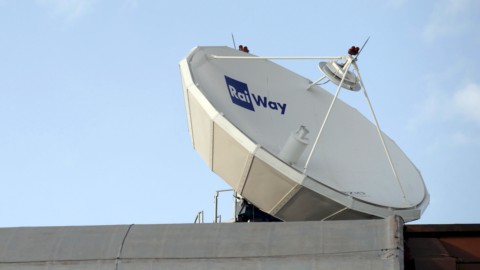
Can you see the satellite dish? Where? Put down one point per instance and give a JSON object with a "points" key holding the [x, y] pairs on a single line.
{"points": [[290, 147]]}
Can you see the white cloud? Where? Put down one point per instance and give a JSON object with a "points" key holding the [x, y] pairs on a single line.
{"points": [[433, 109], [463, 139], [68, 9], [455, 114], [467, 102], [463, 105], [451, 18]]}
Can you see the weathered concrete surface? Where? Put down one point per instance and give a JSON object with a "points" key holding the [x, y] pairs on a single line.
{"points": [[360, 244]]}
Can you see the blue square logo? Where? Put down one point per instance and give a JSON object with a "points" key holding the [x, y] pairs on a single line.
{"points": [[239, 93]]}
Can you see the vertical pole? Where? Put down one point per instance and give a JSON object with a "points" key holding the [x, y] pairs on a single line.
{"points": [[234, 206], [233, 39], [216, 207]]}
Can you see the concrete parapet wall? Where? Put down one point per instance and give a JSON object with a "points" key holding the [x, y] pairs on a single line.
{"points": [[359, 244]]}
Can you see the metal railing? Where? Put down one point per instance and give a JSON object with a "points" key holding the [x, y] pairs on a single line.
{"points": [[216, 216], [199, 217]]}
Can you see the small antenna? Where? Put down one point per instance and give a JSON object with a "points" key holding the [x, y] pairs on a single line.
{"points": [[233, 39], [361, 49]]}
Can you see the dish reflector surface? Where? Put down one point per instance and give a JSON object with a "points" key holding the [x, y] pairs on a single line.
{"points": [[243, 113]]}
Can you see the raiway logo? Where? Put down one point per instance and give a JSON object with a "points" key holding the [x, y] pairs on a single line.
{"points": [[241, 96], [239, 93]]}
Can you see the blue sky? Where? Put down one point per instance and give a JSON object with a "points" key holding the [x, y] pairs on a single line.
{"points": [[92, 122]]}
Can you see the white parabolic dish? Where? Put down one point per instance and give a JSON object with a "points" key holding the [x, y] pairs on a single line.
{"points": [[241, 113]]}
